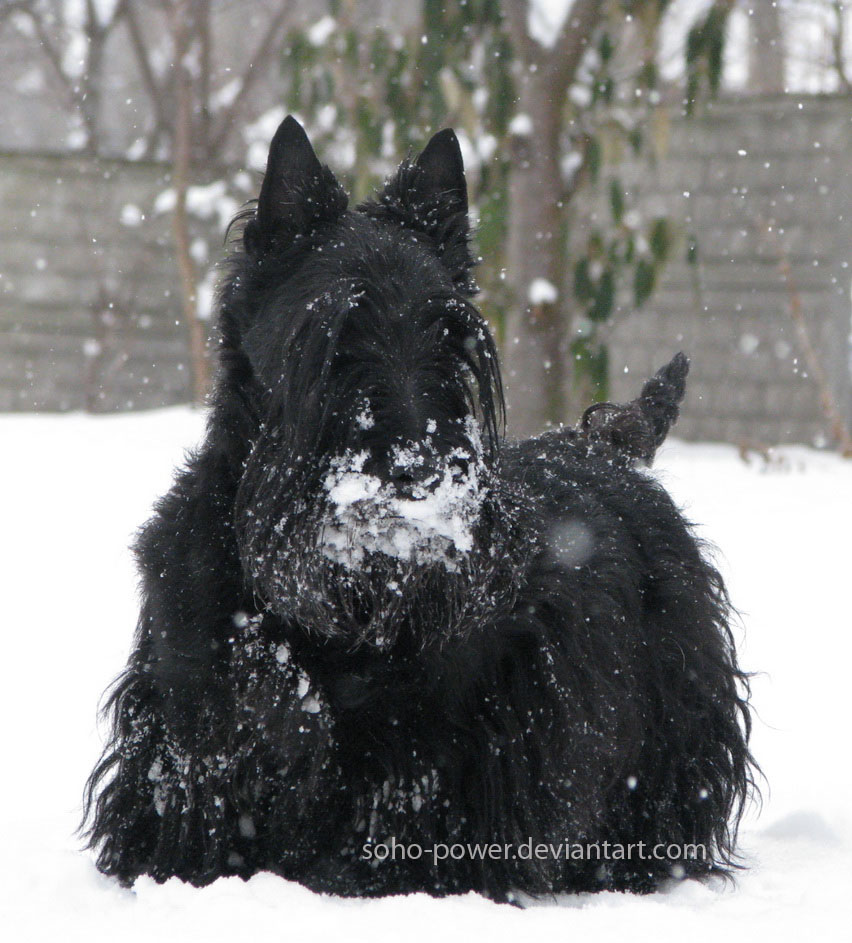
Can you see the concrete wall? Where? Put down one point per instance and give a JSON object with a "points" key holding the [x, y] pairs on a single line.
{"points": [[760, 183], [88, 302], [89, 311]]}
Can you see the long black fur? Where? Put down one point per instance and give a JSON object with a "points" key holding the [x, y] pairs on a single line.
{"points": [[571, 676]]}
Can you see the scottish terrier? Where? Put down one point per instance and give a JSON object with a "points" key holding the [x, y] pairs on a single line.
{"points": [[381, 649]]}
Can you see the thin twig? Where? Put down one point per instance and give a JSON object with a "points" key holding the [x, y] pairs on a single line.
{"points": [[156, 91], [249, 76], [182, 26], [833, 416]]}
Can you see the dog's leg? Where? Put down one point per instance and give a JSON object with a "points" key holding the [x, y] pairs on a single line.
{"points": [[154, 801], [694, 770]]}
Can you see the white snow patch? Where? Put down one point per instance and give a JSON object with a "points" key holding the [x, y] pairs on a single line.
{"points": [[131, 215], [136, 149], [74, 57], [580, 95], [486, 145], [105, 10], [311, 704], [542, 292], [30, 83], [165, 201], [433, 525], [22, 23], [226, 95], [545, 19], [282, 654], [364, 419], [211, 200], [783, 529], [521, 125], [748, 344], [320, 32], [205, 295], [199, 251], [258, 134], [204, 202]]}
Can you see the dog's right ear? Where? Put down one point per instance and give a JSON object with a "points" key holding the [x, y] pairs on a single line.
{"points": [[298, 191], [442, 172]]}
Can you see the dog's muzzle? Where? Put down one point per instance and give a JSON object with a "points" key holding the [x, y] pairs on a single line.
{"points": [[431, 519]]}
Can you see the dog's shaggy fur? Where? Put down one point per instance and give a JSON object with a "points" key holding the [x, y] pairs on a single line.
{"points": [[367, 616]]}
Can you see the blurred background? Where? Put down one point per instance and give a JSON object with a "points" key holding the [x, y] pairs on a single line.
{"points": [[645, 176]]}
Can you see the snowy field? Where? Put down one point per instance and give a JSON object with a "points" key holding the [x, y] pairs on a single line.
{"points": [[75, 488]]}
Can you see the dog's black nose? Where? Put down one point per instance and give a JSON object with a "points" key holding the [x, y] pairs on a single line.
{"points": [[411, 477]]}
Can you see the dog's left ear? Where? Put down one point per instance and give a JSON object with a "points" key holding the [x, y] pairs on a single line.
{"points": [[429, 195], [298, 191]]}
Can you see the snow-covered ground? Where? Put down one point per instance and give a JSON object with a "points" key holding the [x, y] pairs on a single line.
{"points": [[76, 487]]}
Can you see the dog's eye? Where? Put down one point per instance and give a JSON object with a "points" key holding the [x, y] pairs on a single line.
{"points": [[459, 467]]}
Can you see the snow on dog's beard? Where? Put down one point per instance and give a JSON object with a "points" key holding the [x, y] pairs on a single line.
{"points": [[346, 556], [435, 525]]}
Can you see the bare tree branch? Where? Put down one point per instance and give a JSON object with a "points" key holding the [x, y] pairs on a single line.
{"points": [[206, 43], [182, 23], [91, 80], [15, 6], [52, 54], [838, 45], [526, 47], [83, 93], [564, 58], [155, 91], [250, 75], [831, 410]]}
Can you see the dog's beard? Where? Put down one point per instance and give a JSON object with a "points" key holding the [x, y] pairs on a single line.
{"points": [[434, 525], [348, 558], [386, 600]]}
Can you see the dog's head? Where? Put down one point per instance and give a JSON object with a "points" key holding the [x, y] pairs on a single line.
{"points": [[374, 380]]}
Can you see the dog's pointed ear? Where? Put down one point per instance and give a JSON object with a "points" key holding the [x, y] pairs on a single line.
{"points": [[291, 162], [298, 191], [429, 195], [443, 169]]}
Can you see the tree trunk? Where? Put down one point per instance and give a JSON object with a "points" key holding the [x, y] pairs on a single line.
{"points": [[181, 166], [535, 355], [766, 49], [536, 342], [91, 84]]}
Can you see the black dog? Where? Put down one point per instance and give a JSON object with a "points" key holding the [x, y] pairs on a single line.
{"points": [[372, 627]]}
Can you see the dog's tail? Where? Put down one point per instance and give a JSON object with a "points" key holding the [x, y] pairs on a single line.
{"points": [[662, 395], [635, 430]]}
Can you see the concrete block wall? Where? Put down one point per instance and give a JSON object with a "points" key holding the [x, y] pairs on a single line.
{"points": [[89, 308], [761, 184]]}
